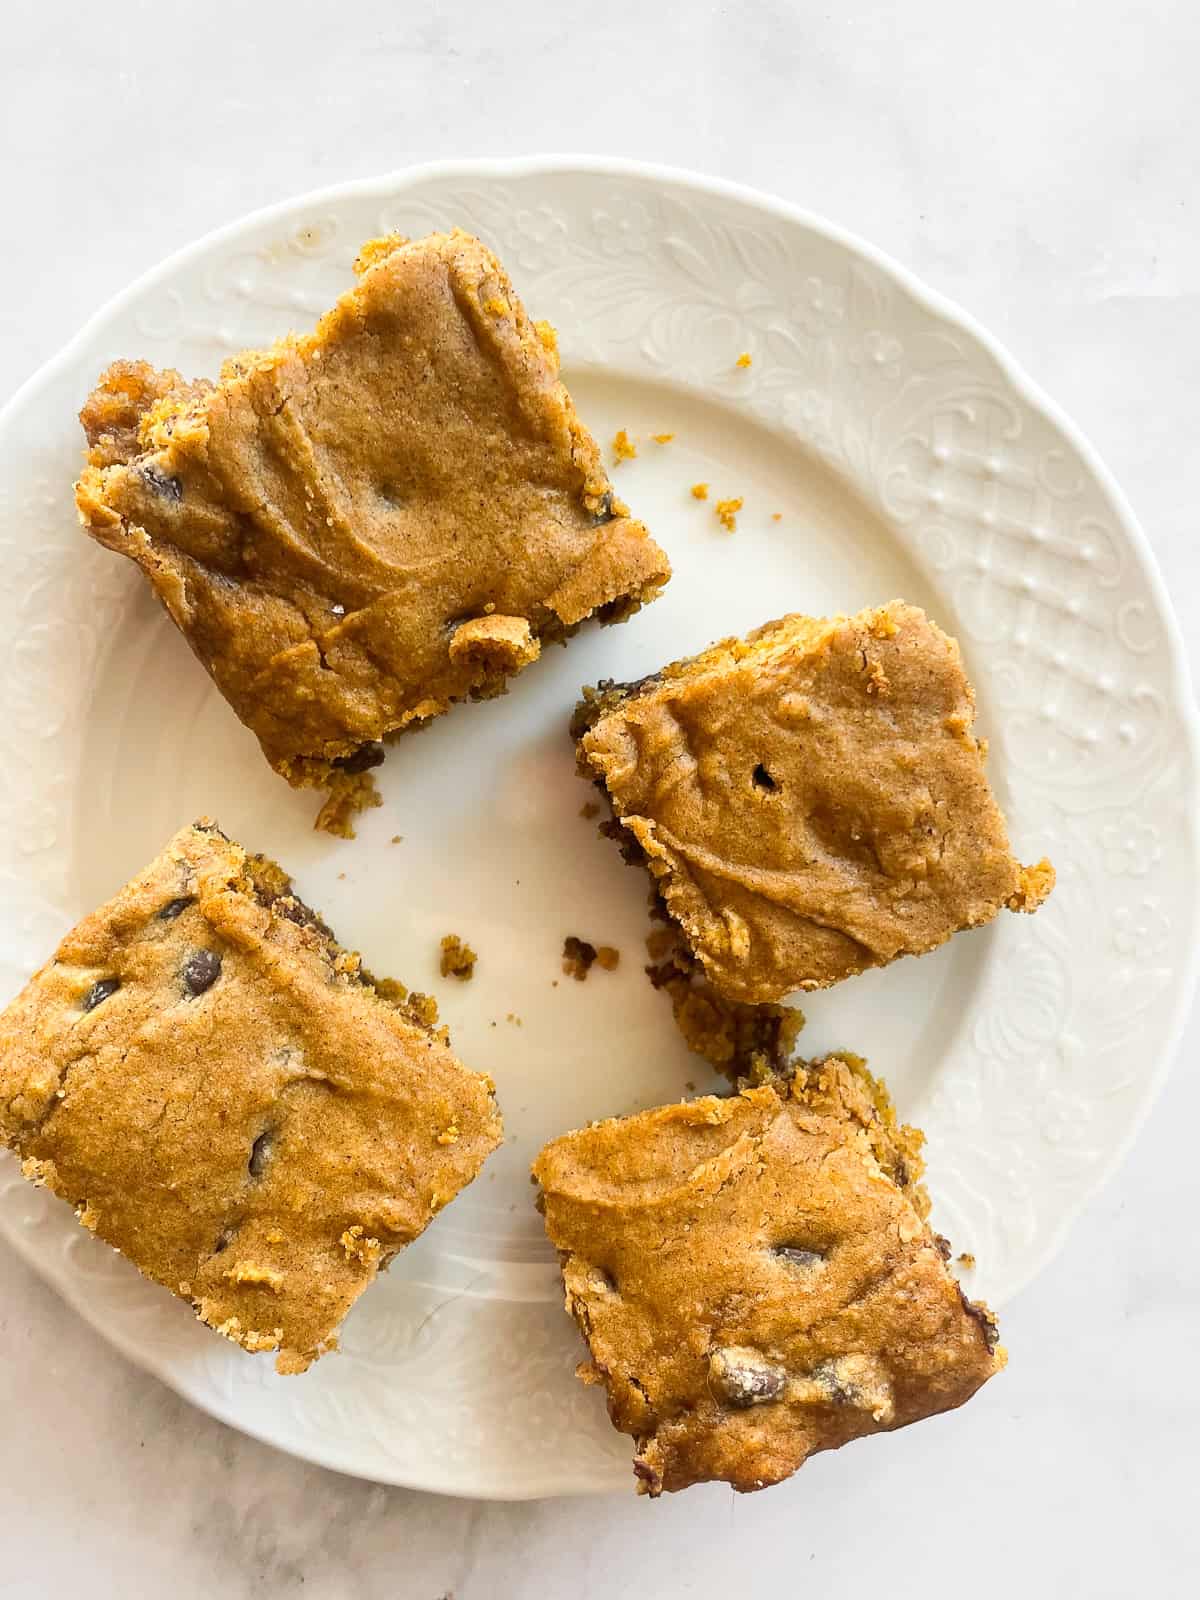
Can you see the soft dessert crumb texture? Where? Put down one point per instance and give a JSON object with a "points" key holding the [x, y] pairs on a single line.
{"points": [[227, 1097], [359, 526], [755, 1279], [811, 801], [623, 448]]}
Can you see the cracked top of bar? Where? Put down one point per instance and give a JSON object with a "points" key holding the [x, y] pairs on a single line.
{"points": [[228, 1099], [811, 799], [357, 527]]}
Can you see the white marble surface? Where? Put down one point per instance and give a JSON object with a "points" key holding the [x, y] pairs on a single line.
{"points": [[1036, 162]]}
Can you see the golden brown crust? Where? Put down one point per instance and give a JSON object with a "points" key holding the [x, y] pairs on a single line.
{"points": [[355, 528], [753, 1283], [225, 1095], [811, 799]]}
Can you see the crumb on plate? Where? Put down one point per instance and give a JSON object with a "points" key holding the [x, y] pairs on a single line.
{"points": [[726, 512], [458, 959], [623, 447]]}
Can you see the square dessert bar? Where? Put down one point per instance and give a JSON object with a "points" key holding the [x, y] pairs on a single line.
{"points": [[355, 528], [755, 1278], [231, 1101], [811, 799]]}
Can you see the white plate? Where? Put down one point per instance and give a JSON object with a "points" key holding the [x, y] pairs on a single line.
{"points": [[907, 457]]}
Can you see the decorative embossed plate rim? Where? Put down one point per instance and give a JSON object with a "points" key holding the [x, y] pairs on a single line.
{"points": [[1038, 564]]}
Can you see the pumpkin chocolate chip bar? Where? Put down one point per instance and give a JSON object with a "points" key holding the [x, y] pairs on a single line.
{"points": [[755, 1278], [355, 528], [231, 1101], [811, 800]]}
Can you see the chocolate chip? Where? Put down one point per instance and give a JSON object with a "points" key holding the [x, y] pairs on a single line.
{"points": [[764, 780], [743, 1377], [604, 511], [169, 488], [797, 1256], [100, 992], [173, 907], [200, 971], [360, 760], [260, 1154]]}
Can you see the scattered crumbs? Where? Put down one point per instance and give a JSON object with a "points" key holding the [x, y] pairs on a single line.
{"points": [[659, 943], [689, 1086], [492, 1023], [458, 959], [777, 516], [699, 491], [966, 1260], [341, 875], [579, 956], [662, 438], [497, 306], [397, 838], [588, 810], [449, 1134], [554, 983], [514, 1019], [745, 359], [726, 512], [360, 1247], [623, 447]]}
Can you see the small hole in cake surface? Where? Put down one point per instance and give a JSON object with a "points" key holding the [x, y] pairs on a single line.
{"points": [[260, 1154], [799, 1256], [764, 780]]}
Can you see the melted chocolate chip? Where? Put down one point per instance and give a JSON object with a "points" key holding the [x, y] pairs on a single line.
{"points": [[169, 488], [764, 780], [173, 907], [100, 992], [360, 760], [604, 511], [200, 971], [742, 1377], [260, 1155]]}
